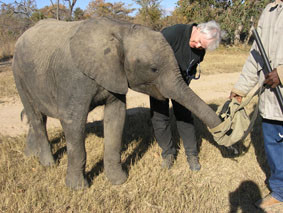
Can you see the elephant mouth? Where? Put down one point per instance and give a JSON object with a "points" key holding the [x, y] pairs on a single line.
{"points": [[149, 89]]}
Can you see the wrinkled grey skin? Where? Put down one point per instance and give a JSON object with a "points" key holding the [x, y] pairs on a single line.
{"points": [[66, 69]]}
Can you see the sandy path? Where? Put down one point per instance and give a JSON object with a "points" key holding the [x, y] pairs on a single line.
{"points": [[208, 87]]}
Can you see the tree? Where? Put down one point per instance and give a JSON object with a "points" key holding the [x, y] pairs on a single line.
{"points": [[196, 11], [236, 17], [15, 18], [102, 8], [71, 4], [79, 14], [59, 12], [150, 13], [23, 8]]}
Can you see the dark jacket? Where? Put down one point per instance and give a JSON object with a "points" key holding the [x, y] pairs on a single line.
{"points": [[178, 36]]}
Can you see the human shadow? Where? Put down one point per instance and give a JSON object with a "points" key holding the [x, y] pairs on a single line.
{"points": [[137, 129], [244, 197]]}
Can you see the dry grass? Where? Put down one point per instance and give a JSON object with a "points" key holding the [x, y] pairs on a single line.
{"points": [[226, 183], [7, 49], [7, 83], [225, 60]]}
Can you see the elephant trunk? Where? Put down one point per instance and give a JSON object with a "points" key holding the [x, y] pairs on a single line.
{"points": [[183, 94]]}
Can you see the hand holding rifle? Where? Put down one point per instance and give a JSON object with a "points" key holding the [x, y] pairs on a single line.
{"points": [[272, 79]]}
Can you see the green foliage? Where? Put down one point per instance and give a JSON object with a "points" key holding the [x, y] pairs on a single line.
{"points": [[78, 14], [235, 17], [13, 22], [115, 10], [150, 13]]}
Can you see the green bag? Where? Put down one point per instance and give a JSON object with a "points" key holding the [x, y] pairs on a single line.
{"points": [[236, 123]]}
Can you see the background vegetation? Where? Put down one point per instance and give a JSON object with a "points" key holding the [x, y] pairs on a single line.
{"points": [[235, 16]]}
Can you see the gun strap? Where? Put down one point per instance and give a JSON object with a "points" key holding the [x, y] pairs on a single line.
{"points": [[255, 113]]}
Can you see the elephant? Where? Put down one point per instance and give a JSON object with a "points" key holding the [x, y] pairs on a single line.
{"points": [[66, 69]]}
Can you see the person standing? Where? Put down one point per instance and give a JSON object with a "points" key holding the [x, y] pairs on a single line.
{"points": [[270, 29], [189, 43]]}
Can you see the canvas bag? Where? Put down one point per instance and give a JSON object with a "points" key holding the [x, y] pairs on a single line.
{"points": [[236, 123]]}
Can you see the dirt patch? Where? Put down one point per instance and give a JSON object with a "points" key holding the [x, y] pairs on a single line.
{"points": [[208, 87]]}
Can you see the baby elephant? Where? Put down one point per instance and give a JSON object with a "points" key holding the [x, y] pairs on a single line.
{"points": [[65, 69]]}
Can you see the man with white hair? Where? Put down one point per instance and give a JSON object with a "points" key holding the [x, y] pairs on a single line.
{"points": [[270, 29], [189, 43]]}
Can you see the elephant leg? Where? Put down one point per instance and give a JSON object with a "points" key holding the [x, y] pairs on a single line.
{"points": [[37, 143], [75, 137], [114, 119], [32, 147]]}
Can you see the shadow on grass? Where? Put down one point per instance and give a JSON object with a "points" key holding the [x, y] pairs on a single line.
{"points": [[56, 144], [137, 127], [244, 198]]}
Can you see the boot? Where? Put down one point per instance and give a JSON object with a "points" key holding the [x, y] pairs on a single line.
{"points": [[267, 202]]}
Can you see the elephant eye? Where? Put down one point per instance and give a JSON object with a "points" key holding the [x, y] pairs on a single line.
{"points": [[154, 70]]}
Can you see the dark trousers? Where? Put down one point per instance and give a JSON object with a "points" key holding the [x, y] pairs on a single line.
{"points": [[162, 128]]}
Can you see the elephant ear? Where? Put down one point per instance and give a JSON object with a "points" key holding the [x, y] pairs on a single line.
{"points": [[98, 52]]}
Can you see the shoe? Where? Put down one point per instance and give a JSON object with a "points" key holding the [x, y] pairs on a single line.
{"points": [[267, 202], [167, 162], [193, 162]]}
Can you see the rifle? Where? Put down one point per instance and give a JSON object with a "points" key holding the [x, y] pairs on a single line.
{"points": [[268, 67]]}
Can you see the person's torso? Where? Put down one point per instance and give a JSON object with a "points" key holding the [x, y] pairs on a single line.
{"points": [[271, 32], [178, 36]]}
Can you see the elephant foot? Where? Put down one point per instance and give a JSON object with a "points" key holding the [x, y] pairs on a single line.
{"points": [[115, 174], [46, 159], [76, 182], [30, 152]]}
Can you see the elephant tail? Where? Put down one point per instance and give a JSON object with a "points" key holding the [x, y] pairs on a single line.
{"points": [[23, 114]]}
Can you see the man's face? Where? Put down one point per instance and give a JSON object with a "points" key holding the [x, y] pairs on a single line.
{"points": [[198, 39]]}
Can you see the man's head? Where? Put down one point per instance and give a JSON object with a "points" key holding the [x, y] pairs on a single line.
{"points": [[206, 36]]}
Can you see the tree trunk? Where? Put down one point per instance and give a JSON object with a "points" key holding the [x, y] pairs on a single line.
{"points": [[57, 13]]}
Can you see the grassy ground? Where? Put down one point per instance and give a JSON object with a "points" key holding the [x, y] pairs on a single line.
{"points": [[7, 84], [225, 60], [7, 49], [226, 182]]}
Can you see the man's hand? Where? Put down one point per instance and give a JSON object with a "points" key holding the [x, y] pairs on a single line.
{"points": [[272, 79], [234, 95]]}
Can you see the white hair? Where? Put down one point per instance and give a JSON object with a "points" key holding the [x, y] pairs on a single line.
{"points": [[212, 32]]}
